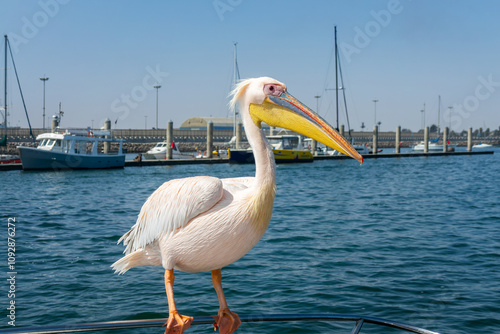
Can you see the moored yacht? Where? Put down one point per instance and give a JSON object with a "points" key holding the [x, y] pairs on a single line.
{"points": [[75, 149]]}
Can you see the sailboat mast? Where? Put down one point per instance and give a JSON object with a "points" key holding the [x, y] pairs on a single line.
{"points": [[235, 81], [336, 80], [439, 113], [5, 88]]}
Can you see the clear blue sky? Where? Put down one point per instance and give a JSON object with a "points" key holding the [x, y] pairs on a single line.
{"points": [[102, 58]]}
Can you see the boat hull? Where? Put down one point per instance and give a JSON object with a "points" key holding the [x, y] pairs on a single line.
{"points": [[36, 159], [482, 146], [281, 156], [163, 156], [431, 147]]}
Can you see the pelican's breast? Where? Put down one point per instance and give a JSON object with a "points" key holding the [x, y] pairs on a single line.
{"points": [[223, 234]]}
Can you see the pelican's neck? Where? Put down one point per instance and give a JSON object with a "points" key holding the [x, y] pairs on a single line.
{"points": [[265, 165]]}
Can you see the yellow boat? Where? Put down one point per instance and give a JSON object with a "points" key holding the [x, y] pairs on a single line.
{"points": [[286, 148]]}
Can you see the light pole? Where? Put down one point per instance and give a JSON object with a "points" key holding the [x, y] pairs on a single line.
{"points": [[423, 117], [375, 108], [451, 110], [157, 87], [44, 79], [317, 97]]}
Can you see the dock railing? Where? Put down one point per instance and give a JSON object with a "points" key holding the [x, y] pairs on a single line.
{"points": [[358, 321]]}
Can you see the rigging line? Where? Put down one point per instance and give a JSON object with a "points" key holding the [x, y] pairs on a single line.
{"points": [[325, 83], [20, 90], [345, 102]]}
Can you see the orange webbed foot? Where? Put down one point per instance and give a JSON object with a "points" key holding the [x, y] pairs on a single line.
{"points": [[177, 323], [226, 321]]}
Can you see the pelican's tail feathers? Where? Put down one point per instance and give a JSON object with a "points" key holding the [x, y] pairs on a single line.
{"points": [[138, 258]]}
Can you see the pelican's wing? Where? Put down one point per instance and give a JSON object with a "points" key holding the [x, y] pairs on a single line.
{"points": [[170, 207]]}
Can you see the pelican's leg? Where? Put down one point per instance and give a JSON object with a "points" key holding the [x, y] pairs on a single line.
{"points": [[225, 320], [176, 323]]}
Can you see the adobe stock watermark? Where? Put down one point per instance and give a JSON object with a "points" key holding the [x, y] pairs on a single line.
{"points": [[462, 111], [223, 6], [373, 28], [31, 26], [139, 93]]}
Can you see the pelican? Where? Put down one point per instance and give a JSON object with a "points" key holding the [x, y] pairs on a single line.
{"points": [[204, 223]]}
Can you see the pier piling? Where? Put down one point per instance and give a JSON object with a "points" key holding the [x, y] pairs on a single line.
{"points": [[398, 139], [341, 130], [375, 139], [170, 135], [426, 139], [445, 139], [469, 139], [210, 138], [314, 145], [106, 144]]}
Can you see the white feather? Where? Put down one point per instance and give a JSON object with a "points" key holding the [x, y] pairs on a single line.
{"points": [[170, 207]]}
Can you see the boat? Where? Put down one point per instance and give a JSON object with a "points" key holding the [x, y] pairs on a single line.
{"points": [[75, 149], [433, 146], [159, 152], [482, 146], [286, 148], [322, 149], [9, 159], [356, 321]]}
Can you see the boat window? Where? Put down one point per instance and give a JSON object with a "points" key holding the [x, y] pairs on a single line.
{"points": [[58, 142], [50, 142], [274, 141], [65, 146], [42, 143]]}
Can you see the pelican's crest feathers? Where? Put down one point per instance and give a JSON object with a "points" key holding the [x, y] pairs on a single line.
{"points": [[237, 92]]}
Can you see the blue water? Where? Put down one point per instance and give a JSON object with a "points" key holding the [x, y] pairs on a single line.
{"points": [[415, 240]]}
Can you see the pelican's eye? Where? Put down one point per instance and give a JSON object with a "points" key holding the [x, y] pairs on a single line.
{"points": [[273, 89]]}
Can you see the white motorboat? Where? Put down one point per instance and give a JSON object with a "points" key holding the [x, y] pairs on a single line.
{"points": [[433, 147], [321, 149], [159, 152], [482, 146], [78, 149]]}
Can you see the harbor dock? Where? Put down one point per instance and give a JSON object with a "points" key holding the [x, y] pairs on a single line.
{"points": [[175, 162]]}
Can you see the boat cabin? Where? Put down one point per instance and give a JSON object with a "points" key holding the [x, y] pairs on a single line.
{"points": [[285, 142], [73, 143]]}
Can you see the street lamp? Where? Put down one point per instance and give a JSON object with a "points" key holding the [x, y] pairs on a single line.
{"points": [[44, 79], [317, 102], [375, 106], [157, 87], [423, 118], [451, 110]]}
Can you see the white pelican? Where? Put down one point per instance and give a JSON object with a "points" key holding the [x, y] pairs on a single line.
{"points": [[204, 223]]}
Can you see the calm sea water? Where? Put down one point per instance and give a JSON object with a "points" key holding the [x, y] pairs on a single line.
{"points": [[415, 240]]}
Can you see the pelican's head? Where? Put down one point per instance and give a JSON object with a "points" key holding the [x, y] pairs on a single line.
{"points": [[269, 101]]}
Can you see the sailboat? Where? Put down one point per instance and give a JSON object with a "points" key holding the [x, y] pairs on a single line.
{"points": [[4, 157], [360, 148], [434, 145]]}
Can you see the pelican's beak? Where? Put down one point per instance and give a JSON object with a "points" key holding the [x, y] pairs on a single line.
{"points": [[287, 112]]}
